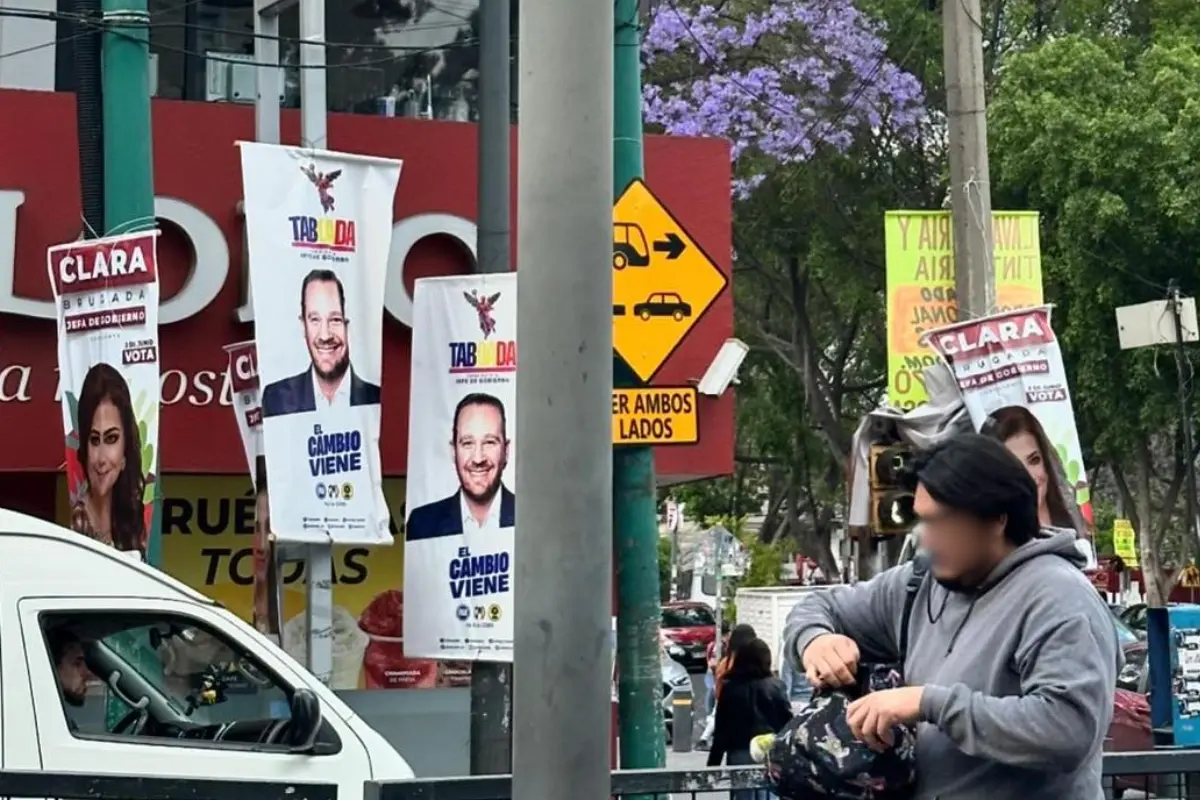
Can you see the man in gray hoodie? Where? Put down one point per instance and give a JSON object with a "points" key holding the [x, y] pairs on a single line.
{"points": [[1012, 657]]}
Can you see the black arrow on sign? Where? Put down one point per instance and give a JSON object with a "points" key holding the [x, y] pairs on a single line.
{"points": [[673, 246]]}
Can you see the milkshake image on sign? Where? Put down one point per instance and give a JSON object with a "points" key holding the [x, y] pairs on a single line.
{"points": [[330, 381], [479, 446], [109, 508], [349, 646]]}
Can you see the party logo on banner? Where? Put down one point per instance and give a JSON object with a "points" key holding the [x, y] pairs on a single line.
{"points": [[1010, 371], [920, 285], [106, 294], [318, 228], [458, 552]]}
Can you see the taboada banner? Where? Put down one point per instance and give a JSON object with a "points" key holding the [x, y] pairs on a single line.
{"points": [[1009, 367], [458, 551], [106, 291], [247, 407], [208, 539], [920, 285], [318, 228]]}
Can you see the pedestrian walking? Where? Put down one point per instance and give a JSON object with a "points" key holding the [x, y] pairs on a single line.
{"points": [[1012, 657], [752, 702], [741, 636]]}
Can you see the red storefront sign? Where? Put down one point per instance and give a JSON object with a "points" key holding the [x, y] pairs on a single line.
{"points": [[198, 186]]}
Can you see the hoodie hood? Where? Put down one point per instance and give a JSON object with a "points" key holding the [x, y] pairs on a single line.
{"points": [[1048, 541]]}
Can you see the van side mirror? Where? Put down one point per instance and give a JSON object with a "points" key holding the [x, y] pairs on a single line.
{"points": [[306, 721]]}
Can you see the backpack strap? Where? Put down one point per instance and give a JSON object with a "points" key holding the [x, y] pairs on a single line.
{"points": [[920, 566]]}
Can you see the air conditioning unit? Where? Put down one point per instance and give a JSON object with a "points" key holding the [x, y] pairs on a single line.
{"points": [[231, 78]]}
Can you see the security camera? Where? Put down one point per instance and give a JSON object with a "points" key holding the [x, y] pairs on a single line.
{"points": [[723, 370]]}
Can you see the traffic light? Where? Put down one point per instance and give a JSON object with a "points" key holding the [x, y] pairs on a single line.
{"points": [[891, 497]]}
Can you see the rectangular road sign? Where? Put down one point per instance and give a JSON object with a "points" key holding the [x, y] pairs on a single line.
{"points": [[661, 415], [662, 281]]}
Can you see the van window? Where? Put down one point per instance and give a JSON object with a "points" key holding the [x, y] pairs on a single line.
{"points": [[162, 676]]}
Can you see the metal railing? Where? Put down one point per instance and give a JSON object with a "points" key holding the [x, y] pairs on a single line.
{"points": [[81, 786], [1161, 774]]}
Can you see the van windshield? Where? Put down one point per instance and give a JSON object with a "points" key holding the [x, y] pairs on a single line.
{"points": [[198, 674]]}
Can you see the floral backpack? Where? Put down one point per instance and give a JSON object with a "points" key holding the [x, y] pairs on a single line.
{"points": [[817, 756]]}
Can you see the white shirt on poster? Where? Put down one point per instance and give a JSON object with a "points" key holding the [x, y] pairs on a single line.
{"points": [[341, 396], [491, 522]]}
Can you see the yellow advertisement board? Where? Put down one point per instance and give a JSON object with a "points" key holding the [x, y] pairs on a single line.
{"points": [[920, 286], [207, 543]]}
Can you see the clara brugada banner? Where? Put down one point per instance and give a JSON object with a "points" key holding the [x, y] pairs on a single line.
{"points": [[318, 228], [458, 550], [106, 294], [247, 408]]}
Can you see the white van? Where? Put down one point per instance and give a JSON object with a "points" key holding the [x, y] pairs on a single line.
{"points": [[201, 693]]}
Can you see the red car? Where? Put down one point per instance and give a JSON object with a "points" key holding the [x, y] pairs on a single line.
{"points": [[688, 627]]}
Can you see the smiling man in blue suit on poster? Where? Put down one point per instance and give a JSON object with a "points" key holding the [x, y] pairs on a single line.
{"points": [[480, 449], [326, 333]]}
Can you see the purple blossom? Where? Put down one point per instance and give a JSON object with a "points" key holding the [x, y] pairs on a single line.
{"points": [[778, 84]]}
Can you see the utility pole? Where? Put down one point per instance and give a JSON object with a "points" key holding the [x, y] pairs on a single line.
{"points": [[89, 115], [491, 682], [970, 190], [562, 648], [1185, 409], [635, 516], [128, 150]]}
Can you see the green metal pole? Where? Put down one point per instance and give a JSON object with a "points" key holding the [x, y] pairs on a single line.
{"points": [[635, 523], [129, 206]]}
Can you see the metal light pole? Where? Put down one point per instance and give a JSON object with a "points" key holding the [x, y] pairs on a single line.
{"points": [[491, 683], [562, 673]]}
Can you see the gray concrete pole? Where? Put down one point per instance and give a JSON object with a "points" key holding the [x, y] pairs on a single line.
{"points": [[563, 583], [970, 190], [491, 683]]}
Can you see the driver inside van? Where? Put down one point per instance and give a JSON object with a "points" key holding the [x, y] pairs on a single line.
{"points": [[66, 650]]}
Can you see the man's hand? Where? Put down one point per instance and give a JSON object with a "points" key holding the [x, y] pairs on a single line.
{"points": [[871, 717], [830, 661]]}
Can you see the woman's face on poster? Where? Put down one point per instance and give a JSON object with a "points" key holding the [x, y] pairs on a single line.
{"points": [[106, 449], [1025, 447]]}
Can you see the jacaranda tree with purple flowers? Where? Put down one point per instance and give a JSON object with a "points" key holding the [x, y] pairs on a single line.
{"points": [[779, 80]]}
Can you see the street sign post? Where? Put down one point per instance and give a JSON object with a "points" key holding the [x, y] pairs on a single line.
{"points": [[655, 416], [662, 282]]}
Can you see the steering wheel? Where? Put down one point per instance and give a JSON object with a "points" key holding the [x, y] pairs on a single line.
{"points": [[135, 720], [248, 671]]}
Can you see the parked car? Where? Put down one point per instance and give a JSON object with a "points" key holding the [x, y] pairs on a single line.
{"points": [[675, 677], [688, 628]]}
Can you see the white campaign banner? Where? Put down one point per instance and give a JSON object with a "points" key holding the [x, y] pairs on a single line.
{"points": [[106, 293], [458, 551], [1009, 368], [318, 228], [247, 405]]}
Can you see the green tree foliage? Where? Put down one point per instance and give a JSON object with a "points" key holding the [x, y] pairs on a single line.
{"points": [[1102, 136]]}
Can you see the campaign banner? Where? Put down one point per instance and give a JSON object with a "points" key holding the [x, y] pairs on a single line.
{"points": [[318, 229], [247, 407], [106, 295], [461, 500], [1010, 371], [919, 255]]}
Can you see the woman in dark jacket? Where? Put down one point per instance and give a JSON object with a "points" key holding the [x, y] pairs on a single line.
{"points": [[753, 702]]}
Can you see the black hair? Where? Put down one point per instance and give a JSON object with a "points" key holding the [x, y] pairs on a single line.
{"points": [[58, 640], [741, 636], [977, 475], [753, 660], [324, 276], [479, 399]]}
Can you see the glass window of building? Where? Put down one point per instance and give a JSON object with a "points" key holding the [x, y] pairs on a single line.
{"points": [[412, 58]]}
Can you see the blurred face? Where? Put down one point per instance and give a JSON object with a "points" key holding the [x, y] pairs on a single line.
{"points": [[1025, 447], [480, 452], [73, 675], [325, 330], [963, 549], [106, 449]]}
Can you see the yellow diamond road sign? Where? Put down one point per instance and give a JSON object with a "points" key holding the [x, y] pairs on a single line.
{"points": [[662, 281]]}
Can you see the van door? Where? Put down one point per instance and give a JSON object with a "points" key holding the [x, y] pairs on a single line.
{"points": [[169, 688]]}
